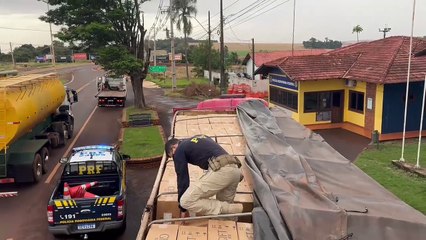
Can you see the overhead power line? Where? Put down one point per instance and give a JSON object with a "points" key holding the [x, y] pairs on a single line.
{"points": [[246, 10], [156, 20], [24, 29], [259, 14], [215, 15]]}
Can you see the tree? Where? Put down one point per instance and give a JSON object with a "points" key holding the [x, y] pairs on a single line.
{"points": [[199, 56], [328, 44], [357, 29], [182, 11], [24, 53], [112, 29]]}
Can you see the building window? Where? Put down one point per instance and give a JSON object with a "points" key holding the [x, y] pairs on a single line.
{"points": [[356, 101], [317, 101], [284, 98]]}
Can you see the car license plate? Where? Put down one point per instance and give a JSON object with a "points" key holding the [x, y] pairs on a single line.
{"points": [[86, 226]]}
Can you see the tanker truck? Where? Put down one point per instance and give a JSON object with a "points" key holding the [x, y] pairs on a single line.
{"points": [[35, 116]]}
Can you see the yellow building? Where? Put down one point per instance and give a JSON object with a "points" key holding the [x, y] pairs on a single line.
{"points": [[360, 88]]}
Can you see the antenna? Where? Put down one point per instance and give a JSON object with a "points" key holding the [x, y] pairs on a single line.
{"points": [[385, 30]]}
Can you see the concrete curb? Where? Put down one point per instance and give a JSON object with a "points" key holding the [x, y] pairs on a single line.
{"points": [[151, 161], [410, 168]]}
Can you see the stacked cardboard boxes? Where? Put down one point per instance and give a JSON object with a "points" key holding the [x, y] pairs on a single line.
{"points": [[214, 230], [167, 202]]}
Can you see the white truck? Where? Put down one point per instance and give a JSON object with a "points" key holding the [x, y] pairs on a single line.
{"points": [[112, 91]]}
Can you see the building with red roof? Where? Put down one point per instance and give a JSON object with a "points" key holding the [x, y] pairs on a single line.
{"points": [[360, 87], [261, 58]]}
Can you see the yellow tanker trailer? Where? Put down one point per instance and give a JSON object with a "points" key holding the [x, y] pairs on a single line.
{"points": [[35, 116]]}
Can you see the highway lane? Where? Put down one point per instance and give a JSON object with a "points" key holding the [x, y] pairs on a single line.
{"points": [[24, 216]]}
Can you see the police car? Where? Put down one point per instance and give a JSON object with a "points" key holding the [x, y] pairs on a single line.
{"points": [[91, 194]]}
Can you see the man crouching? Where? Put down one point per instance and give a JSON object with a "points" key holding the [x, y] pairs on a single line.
{"points": [[221, 179]]}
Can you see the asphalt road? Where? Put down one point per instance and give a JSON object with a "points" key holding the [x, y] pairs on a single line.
{"points": [[24, 216]]}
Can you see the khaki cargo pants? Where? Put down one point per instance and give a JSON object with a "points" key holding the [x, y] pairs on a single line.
{"points": [[222, 183]]}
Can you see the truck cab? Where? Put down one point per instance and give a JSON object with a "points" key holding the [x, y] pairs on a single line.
{"points": [[91, 193]]}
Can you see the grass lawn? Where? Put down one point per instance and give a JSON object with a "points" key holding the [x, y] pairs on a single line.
{"points": [[142, 142], [180, 83], [133, 110], [407, 186]]}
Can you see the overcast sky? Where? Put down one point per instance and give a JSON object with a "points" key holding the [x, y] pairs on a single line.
{"points": [[267, 21]]}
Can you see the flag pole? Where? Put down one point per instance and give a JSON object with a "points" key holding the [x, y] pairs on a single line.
{"points": [[421, 126], [408, 83]]}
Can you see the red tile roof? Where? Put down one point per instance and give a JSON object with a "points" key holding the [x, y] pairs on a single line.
{"points": [[380, 61], [318, 67], [264, 57]]}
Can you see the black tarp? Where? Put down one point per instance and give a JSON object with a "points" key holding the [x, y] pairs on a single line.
{"points": [[304, 189]]}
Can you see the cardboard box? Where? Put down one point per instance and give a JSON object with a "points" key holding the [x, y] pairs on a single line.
{"points": [[162, 232], [244, 187], [198, 223], [222, 230], [167, 208], [167, 205], [192, 233], [245, 231]]}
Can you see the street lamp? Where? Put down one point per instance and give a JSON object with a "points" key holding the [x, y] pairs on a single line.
{"points": [[52, 48]]}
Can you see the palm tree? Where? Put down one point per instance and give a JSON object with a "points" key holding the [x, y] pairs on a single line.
{"points": [[182, 11], [357, 29]]}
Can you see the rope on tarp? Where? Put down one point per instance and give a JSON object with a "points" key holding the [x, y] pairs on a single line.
{"points": [[357, 211], [347, 237]]}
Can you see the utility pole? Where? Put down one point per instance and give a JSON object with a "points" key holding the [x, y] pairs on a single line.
{"points": [[210, 53], [252, 54], [155, 49], [52, 48], [294, 26], [384, 30], [222, 53], [13, 57], [172, 43]]}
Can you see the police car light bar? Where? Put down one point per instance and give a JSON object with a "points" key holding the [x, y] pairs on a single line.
{"points": [[93, 147]]}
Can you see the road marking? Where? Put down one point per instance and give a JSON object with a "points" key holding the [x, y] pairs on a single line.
{"points": [[85, 85], [55, 169], [72, 80], [52, 174]]}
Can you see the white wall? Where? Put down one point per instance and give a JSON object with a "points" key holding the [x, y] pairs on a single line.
{"points": [[249, 68]]}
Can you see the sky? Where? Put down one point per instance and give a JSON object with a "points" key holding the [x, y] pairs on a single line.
{"points": [[265, 21]]}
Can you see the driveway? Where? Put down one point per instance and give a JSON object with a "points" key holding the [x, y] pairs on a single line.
{"points": [[349, 144], [164, 105]]}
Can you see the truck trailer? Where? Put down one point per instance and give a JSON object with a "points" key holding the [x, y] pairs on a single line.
{"points": [[112, 91], [35, 116], [295, 185]]}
